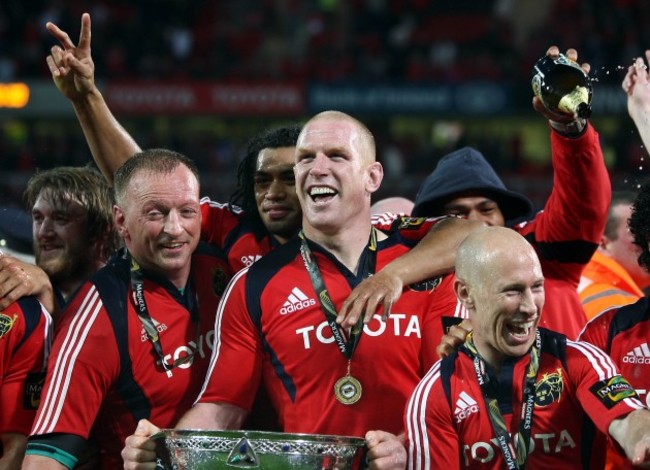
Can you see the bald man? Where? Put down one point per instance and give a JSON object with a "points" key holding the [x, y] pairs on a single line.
{"points": [[466, 412], [395, 205]]}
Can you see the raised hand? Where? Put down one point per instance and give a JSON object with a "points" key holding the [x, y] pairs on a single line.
{"points": [[636, 87], [572, 55], [72, 67]]}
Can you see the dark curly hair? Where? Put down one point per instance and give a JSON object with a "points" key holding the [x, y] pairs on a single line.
{"points": [[244, 194], [614, 222], [639, 224]]}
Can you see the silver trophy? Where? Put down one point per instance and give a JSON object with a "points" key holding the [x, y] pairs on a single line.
{"points": [[197, 450]]}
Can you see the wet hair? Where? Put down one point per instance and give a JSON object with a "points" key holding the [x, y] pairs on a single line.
{"points": [[156, 161], [244, 194], [639, 224], [86, 186], [614, 222]]}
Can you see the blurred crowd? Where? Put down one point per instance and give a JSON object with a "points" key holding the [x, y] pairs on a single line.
{"points": [[326, 41], [196, 289]]}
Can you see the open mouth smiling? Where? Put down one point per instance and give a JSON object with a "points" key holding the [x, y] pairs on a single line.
{"points": [[322, 193]]}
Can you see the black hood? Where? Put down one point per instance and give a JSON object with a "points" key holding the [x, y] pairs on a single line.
{"points": [[467, 170]]}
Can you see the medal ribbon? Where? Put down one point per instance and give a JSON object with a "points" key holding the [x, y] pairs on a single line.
{"points": [[514, 460], [348, 346], [137, 285]]}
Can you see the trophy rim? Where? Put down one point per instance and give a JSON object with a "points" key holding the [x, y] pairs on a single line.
{"points": [[272, 435]]}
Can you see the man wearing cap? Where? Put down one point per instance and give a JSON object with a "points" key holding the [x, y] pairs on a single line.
{"points": [[565, 234]]}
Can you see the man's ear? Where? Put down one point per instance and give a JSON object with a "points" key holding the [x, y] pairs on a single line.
{"points": [[462, 293], [375, 176], [604, 242], [118, 220]]}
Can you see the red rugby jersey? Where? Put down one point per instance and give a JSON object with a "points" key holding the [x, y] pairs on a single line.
{"points": [[225, 226], [102, 374], [25, 341], [271, 330], [577, 386], [624, 334]]}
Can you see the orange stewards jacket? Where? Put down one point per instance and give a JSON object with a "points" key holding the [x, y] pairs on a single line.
{"points": [[605, 284]]}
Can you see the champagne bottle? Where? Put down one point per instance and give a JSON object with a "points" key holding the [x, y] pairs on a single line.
{"points": [[562, 86]]}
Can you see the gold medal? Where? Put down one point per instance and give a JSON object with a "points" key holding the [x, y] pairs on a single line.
{"points": [[348, 390]]}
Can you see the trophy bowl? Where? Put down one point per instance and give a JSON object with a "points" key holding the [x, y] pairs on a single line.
{"points": [[181, 449]]}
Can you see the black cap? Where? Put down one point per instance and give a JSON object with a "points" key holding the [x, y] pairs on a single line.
{"points": [[467, 170]]}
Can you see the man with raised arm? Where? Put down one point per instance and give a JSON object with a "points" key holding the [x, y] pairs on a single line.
{"points": [[72, 70], [569, 228]]}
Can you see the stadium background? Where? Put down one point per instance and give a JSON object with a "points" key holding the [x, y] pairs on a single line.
{"points": [[201, 77]]}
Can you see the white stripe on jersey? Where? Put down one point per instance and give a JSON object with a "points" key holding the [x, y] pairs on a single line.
{"points": [[418, 451], [48, 333], [60, 380], [634, 403], [461, 311], [601, 362], [598, 358], [217, 330], [385, 218], [219, 205]]}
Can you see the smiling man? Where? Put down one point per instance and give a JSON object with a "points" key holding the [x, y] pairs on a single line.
{"points": [[270, 213], [277, 323], [513, 383], [72, 224], [73, 236], [135, 340]]}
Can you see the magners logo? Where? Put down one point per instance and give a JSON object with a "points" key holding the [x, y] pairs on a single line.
{"points": [[613, 390]]}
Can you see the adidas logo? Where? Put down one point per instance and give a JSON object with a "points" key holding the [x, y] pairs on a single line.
{"points": [[639, 355], [465, 406], [297, 300], [159, 326], [249, 260]]}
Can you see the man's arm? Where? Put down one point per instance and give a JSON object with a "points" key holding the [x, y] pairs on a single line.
{"points": [[635, 85], [216, 416], [73, 72], [433, 256], [575, 213], [38, 462], [13, 450], [632, 433], [139, 452], [432, 440]]}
